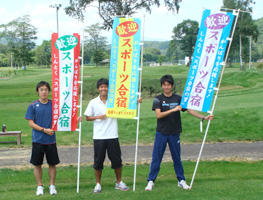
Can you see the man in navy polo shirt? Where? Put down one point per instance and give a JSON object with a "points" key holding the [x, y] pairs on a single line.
{"points": [[39, 116]]}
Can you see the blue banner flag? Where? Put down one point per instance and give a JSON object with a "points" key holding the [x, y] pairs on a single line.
{"points": [[208, 56]]}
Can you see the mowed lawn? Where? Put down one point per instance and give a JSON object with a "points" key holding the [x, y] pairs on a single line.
{"points": [[214, 180], [238, 111], [238, 117]]}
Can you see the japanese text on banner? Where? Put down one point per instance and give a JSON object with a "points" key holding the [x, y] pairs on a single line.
{"points": [[124, 73], [209, 53], [65, 76]]}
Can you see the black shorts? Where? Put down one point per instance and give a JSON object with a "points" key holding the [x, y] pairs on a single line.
{"points": [[113, 149], [38, 151]]}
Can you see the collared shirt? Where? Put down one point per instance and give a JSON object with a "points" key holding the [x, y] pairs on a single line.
{"points": [[41, 114], [102, 129]]}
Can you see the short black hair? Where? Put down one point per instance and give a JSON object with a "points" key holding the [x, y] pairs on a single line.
{"points": [[102, 81], [42, 83], [167, 78]]}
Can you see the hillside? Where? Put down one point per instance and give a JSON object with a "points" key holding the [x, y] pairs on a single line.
{"points": [[162, 46], [157, 44]]}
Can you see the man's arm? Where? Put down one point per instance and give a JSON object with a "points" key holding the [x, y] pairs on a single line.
{"points": [[160, 114], [33, 125], [198, 115], [92, 118]]}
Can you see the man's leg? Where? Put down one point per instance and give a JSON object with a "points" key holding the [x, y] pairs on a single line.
{"points": [[159, 147], [38, 174], [119, 184], [175, 148], [114, 154], [99, 157], [118, 174], [37, 157], [52, 160], [98, 173], [52, 174]]}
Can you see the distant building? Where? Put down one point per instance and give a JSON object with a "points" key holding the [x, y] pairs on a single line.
{"points": [[181, 62], [154, 64], [105, 62], [185, 61]]}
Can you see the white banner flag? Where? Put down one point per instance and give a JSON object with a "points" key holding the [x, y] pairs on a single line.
{"points": [[65, 77]]}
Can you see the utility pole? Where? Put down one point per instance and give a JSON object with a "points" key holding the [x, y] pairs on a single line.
{"points": [[250, 46], [57, 6], [11, 59]]}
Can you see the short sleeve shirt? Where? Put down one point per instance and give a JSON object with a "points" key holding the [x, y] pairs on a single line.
{"points": [[41, 114], [102, 129], [171, 124]]}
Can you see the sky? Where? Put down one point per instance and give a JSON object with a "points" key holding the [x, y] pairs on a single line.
{"points": [[158, 25]]}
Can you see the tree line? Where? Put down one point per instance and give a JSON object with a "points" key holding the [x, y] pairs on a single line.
{"points": [[185, 34], [18, 47]]}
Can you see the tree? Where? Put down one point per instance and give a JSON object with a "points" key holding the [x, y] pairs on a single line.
{"points": [[185, 34], [150, 90], [43, 53], [245, 26], [173, 53], [20, 36], [161, 59], [109, 8], [95, 43], [257, 48], [3, 60], [87, 55], [151, 54]]}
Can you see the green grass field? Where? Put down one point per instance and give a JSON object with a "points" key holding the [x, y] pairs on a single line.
{"points": [[214, 180], [238, 111], [238, 117]]}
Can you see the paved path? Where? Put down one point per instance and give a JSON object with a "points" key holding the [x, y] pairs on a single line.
{"points": [[19, 157]]}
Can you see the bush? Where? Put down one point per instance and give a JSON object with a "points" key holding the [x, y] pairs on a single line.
{"points": [[260, 66]]}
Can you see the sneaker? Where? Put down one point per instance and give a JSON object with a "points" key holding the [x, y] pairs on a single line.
{"points": [[40, 190], [183, 184], [97, 188], [52, 189], [149, 186], [121, 186]]}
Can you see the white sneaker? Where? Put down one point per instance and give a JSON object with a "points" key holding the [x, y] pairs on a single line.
{"points": [[40, 190], [97, 188], [52, 189], [183, 184], [149, 186], [121, 186]]}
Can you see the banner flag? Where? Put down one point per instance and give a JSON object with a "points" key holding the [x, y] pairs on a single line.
{"points": [[124, 64], [208, 56], [65, 77]]}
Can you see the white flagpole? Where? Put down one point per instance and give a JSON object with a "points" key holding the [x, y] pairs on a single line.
{"points": [[217, 90], [139, 107], [80, 107]]}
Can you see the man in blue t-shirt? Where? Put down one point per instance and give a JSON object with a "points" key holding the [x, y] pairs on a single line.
{"points": [[167, 109], [39, 116]]}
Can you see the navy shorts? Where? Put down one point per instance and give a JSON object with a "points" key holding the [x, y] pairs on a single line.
{"points": [[113, 149], [38, 152]]}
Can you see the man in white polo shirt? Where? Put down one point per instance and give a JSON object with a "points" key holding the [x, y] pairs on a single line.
{"points": [[105, 137]]}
